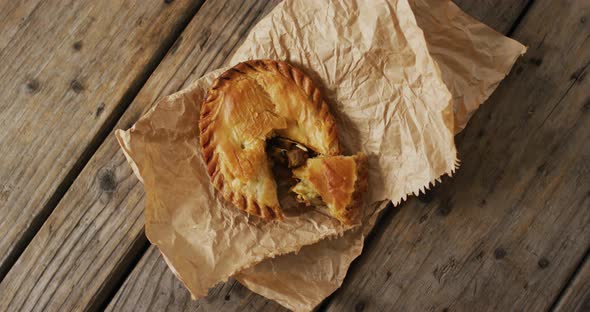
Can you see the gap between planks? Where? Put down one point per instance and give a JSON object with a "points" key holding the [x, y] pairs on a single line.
{"points": [[572, 294], [106, 128], [520, 18], [535, 59], [115, 295], [94, 229], [141, 244], [562, 299], [390, 212]]}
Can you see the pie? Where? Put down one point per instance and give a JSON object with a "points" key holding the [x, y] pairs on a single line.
{"points": [[338, 182], [249, 105]]}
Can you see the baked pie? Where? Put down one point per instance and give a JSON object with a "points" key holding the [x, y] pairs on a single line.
{"points": [[337, 182], [253, 103]]}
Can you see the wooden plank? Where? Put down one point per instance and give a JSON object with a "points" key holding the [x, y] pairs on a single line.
{"points": [[96, 231], [508, 230], [576, 296], [67, 69], [152, 287], [501, 15]]}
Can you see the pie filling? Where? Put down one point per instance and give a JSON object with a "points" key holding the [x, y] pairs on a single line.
{"points": [[287, 152], [284, 156], [306, 180]]}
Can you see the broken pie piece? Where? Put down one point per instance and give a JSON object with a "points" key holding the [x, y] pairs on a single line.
{"points": [[248, 104], [338, 182]]}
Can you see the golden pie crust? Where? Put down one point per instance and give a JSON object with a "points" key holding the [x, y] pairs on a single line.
{"points": [[340, 182], [248, 104]]}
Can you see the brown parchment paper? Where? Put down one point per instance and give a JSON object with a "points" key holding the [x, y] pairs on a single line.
{"points": [[473, 59], [377, 72]]}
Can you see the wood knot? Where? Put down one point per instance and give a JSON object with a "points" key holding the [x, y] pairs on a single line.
{"points": [[227, 297], [359, 307], [480, 133], [106, 180], [168, 1], [443, 270], [543, 263], [33, 86], [499, 253], [422, 219], [76, 86], [536, 61], [77, 45], [99, 110], [542, 169], [4, 194], [445, 207]]}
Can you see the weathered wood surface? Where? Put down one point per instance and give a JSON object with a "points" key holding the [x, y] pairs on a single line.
{"points": [[507, 232], [501, 15], [576, 297], [77, 259], [67, 69], [153, 287]]}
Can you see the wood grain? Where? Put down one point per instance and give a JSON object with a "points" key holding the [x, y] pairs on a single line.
{"points": [[77, 258], [67, 69], [153, 287], [576, 297], [508, 230]]}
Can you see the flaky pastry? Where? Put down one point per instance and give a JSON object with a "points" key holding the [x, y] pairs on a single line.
{"points": [[336, 181], [248, 104]]}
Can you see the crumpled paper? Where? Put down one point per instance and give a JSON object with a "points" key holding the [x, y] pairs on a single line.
{"points": [[388, 88], [472, 57]]}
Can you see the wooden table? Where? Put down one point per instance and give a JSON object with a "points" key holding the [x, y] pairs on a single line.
{"points": [[511, 231]]}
